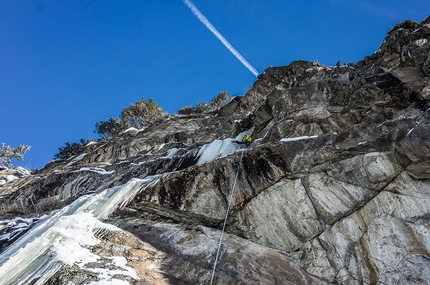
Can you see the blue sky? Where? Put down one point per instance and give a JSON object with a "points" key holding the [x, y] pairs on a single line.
{"points": [[65, 65]]}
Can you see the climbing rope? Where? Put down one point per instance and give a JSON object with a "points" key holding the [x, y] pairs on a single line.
{"points": [[225, 219]]}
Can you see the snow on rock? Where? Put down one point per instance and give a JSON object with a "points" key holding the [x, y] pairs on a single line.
{"points": [[131, 130], [96, 170], [298, 138], [22, 171], [75, 236], [10, 178], [7, 178], [109, 282], [106, 275], [91, 143], [11, 174]]}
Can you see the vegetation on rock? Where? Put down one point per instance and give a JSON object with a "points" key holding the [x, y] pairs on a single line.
{"points": [[111, 127], [138, 115], [217, 102], [245, 124], [142, 113], [408, 24], [71, 149], [187, 110]]}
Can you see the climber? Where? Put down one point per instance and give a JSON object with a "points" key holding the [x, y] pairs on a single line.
{"points": [[246, 140]]}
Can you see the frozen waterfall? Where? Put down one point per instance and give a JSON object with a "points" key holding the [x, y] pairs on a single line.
{"points": [[63, 237], [220, 148]]}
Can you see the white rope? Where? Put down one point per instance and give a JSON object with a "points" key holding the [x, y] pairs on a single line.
{"points": [[225, 219]]}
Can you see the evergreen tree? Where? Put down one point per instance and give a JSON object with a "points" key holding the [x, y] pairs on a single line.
{"points": [[187, 110], [245, 124], [71, 149], [111, 127]]}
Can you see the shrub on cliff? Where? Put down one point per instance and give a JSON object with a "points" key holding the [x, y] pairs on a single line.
{"points": [[71, 149], [408, 24], [142, 113], [7, 154], [111, 127], [217, 102], [244, 124], [187, 110], [201, 107]]}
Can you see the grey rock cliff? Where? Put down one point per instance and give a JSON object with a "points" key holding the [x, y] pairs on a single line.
{"points": [[335, 188]]}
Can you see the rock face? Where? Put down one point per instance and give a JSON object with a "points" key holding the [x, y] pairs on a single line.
{"points": [[335, 188]]}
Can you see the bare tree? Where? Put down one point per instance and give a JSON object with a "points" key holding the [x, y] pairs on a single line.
{"points": [[7, 154]]}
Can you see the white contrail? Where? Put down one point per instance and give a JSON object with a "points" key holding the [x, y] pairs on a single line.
{"points": [[211, 28]]}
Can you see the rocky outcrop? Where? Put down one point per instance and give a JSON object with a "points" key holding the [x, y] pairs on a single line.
{"points": [[335, 188]]}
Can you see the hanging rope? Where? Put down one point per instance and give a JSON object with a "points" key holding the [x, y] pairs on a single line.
{"points": [[225, 219]]}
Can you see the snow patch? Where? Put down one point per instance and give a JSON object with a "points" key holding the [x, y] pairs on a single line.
{"points": [[106, 275], [75, 236], [96, 170], [131, 130], [13, 174], [21, 170], [298, 138], [110, 282], [7, 178], [10, 178], [91, 143]]}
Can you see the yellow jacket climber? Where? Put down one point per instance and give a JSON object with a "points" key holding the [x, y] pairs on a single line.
{"points": [[246, 140]]}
